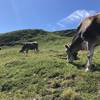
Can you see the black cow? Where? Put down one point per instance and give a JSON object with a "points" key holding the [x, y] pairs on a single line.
{"points": [[29, 46], [88, 32]]}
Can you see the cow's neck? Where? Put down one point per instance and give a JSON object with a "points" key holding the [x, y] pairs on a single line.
{"points": [[76, 45]]}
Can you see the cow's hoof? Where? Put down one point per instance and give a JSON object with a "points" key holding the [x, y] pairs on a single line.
{"points": [[87, 69]]}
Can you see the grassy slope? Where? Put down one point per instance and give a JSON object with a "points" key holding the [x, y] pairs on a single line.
{"points": [[47, 75]]}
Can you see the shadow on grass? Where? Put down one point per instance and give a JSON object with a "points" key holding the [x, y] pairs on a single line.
{"points": [[95, 67], [79, 66]]}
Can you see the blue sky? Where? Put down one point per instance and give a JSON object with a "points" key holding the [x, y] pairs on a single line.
{"points": [[49, 15]]}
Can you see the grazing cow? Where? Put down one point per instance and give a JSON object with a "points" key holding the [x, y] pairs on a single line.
{"points": [[29, 46], [88, 31]]}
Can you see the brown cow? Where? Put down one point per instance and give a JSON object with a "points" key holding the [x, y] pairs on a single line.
{"points": [[88, 31]]}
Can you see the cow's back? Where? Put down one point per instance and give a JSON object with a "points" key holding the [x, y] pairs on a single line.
{"points": [[31, 45], [89, 28]]}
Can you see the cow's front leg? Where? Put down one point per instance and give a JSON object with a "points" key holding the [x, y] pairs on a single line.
{"points": [[90, 56], [89, 63]]}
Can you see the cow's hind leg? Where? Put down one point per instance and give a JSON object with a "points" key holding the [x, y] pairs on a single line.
{"points": [[26, 52], [90, 48]]}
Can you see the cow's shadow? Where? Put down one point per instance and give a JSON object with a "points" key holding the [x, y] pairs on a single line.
{"points": [[79, 66], [95, 67]]}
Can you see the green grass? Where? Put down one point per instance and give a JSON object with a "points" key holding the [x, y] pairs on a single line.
{"points": [[47, 75]]}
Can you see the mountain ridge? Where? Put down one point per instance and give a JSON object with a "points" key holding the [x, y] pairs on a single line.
{"points": [[18, 36]]}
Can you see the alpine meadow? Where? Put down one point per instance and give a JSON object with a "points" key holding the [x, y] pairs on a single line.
{"points": [[45, 75]]}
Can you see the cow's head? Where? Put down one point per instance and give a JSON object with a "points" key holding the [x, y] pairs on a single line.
{"points": [[71, 56]]}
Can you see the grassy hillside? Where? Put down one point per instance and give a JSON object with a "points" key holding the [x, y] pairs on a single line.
{"points": [[47, 75], [19, 36]]}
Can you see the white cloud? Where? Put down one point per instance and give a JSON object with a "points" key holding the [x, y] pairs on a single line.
{"points": [[77, 15], [60, 24], [74, 17]]}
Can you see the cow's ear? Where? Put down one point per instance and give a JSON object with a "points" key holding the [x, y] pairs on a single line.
{"points": [[67, 46]]}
